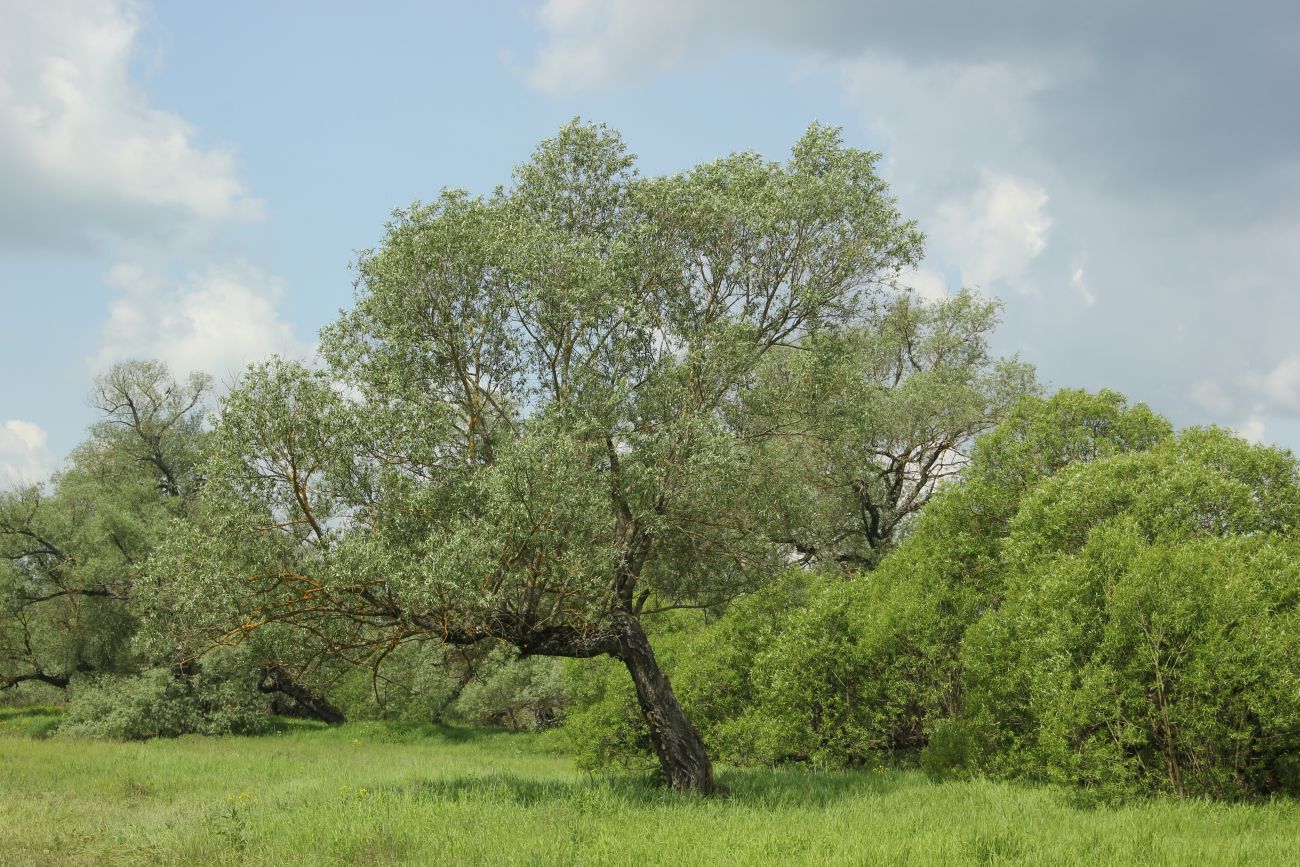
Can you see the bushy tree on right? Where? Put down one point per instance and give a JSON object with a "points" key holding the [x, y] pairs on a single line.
{"points": [[1149, 634]]}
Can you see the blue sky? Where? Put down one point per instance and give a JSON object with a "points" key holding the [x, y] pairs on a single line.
{"points": [[189, 181]]}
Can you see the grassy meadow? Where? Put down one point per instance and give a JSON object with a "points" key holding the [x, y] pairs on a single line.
{"points": [[384, 794]]}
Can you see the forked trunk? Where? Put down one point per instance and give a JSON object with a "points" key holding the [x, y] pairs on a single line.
{"points": [[677, 743]]}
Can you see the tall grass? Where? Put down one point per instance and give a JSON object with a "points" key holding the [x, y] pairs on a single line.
{"points": [[382, 794]]}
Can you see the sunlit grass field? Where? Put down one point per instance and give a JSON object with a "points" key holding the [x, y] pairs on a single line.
{"points": [[383, 794]]}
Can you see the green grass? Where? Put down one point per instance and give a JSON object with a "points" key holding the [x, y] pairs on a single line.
{"points": [[382, 794], [34, 721]]}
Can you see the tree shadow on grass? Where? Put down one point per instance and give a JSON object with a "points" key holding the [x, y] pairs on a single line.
{"points": [[31, 710], [784, 787], [750, 787], [413, 732], [34, 721], [390, 731]]}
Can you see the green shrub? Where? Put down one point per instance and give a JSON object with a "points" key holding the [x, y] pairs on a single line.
{"points": [[416, 682], [870, 668], [156, 703], [432, 682], [819, 697], [710, 660], [1149, 639], [604, 725], [1098, 603], [718, 666], [519, 694], [953, 750]]}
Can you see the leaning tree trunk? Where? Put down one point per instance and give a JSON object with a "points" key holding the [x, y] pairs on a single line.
{"points": [[276, 680], [681, 751]]}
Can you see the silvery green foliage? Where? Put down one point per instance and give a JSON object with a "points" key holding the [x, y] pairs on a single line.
{"points": [[533, 414], [72, 551], [881, 416], [155, 703]]}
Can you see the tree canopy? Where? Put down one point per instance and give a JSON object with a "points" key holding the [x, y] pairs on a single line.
{"points": [[531, 426], [874, 418], [74, 550]]}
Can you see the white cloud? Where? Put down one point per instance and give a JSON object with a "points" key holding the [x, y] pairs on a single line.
{"points": [[1259, 396], [1251, 430], [24, 457], [1077, 281], [216, 320], [1155, 127], [83, 154], [1281, 385], [928, 284], [995, 232], [602, 43]]}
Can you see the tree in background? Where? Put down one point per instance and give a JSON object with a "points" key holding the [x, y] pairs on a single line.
{"points": [[533, 424], [73, 553], [875, 419], [74, 586]]}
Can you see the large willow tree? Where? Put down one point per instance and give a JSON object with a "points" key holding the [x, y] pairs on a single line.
{"points": [[531, 426]]}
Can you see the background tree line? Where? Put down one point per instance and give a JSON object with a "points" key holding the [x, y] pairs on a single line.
{"points": [[690, 426]]}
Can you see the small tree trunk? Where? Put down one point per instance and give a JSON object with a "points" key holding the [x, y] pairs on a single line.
{"points": [[681, 752]]}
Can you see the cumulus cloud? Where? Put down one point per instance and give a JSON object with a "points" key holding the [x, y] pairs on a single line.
{"points": [[1150, 96], [927, 283], [84, 156], [24, 457], [603, 43], [1259, 399], [996, 231], [1281, 385], [217, 320], [1251, 430]]}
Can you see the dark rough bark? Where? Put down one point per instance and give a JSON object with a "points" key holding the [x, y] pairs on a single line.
{"points": [[276, 679], [677, 742], [527, 636], [38, 676]]}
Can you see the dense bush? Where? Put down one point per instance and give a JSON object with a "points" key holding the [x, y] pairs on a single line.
{"points": [[793, 673], [416, 682], [718, 665], [157, 703], [603, 723], [519, 694], [433, 682], [870, 668], [852, 677], [604, 727], [713, 663], [848, 672], [1150, 634]]}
